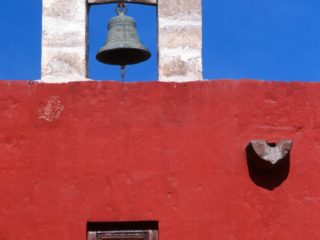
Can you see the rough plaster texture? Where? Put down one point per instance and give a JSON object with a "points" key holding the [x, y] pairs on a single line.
{"points": [[107, 151], [64, 44], [64, 40]]}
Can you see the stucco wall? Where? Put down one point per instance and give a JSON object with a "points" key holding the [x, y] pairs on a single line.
{"points": [[175, 153]]}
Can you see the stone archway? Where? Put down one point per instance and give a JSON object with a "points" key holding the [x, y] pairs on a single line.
{"points": [[64, 39]]}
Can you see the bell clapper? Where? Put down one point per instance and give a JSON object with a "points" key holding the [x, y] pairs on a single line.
{"points": [[123, 72]]}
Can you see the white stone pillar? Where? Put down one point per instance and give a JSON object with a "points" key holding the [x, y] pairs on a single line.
{"points": [[64, 41], [180, 40]]}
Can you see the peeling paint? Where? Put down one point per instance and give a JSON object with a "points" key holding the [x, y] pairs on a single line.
{"points": [[51, 110]]}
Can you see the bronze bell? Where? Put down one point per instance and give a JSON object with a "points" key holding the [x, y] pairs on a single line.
{"points": [[123, 46]]}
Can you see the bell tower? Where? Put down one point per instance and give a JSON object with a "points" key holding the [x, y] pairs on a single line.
{"points": [[65, 40]]}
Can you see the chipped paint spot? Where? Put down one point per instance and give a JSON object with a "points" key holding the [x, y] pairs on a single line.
{"points": [[51, 110]]}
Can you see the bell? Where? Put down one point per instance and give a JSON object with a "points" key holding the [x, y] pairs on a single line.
{"points": [[123, 46]]}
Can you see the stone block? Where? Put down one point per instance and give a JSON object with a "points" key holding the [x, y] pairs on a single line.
{"points": [[63, 66], [188, 36]]}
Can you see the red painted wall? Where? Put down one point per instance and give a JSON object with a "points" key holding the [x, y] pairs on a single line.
{"points": [[175, 153]]}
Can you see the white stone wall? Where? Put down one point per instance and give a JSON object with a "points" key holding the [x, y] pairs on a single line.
{"points": [[64, 39]]}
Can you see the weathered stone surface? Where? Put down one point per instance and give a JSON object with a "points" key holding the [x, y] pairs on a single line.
{"points": [[180, 40], [179, 68], [189, 9], [272, 152], [270, 155], [64, 41], [63, 66], [188, 37]]}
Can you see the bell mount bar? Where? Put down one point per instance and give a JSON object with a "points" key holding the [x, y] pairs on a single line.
{"points": [[147, 2]]}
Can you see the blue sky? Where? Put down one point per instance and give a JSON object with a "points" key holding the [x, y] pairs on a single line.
{"points": [[259, 39]]}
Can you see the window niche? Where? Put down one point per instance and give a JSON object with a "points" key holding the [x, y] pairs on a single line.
{"points": [[142, 230]]}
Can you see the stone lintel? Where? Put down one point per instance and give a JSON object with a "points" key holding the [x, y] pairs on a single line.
{"points": [[148, 2]]}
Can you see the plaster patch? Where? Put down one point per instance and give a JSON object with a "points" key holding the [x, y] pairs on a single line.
{"points": [[51, 110]]}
